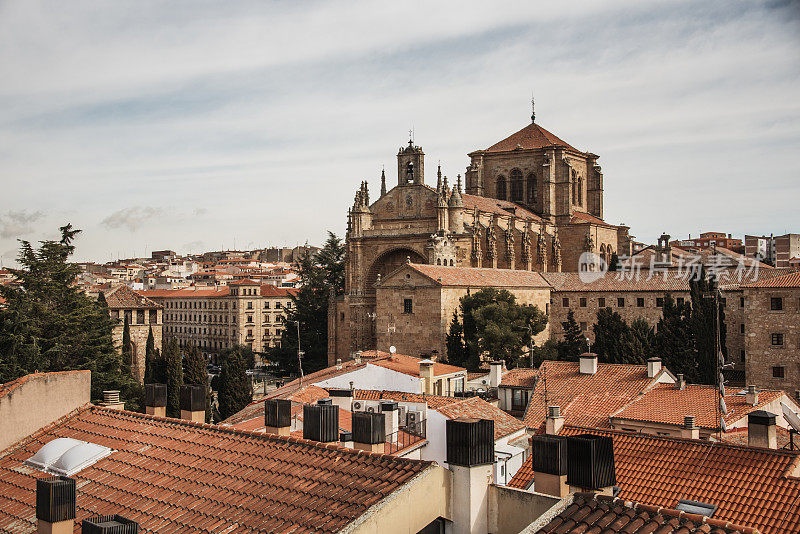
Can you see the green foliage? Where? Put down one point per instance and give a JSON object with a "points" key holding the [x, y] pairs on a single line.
{"points": [[196, 373], [173, 376], [613, 264], [149, 356], [234, 387], [456, 349], [617, 342], [50, 325], [548, 351], [573, 344], [703, 327], [127, 347], [674, 342], [641, 341], [495, 325], [321, 275]]}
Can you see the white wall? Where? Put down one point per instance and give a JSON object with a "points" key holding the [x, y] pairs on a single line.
{"points": [[374, 377], [436, 449]]}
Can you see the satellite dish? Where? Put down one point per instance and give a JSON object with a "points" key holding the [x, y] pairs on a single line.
{"points": [[393, 349], [722, 424], [791, 417], [722, 407]]}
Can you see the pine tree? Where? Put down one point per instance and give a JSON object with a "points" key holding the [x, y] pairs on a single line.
{"points": [[196, 373], [641, 341], [573, 343], [149, 356], [173, 377], [456, 350], [234, 387], [610, 335], [49, 324], [674, 342], [703, 327], [331, 259]]}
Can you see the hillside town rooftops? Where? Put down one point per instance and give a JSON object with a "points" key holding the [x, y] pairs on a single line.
{"points": [[477, 408]]}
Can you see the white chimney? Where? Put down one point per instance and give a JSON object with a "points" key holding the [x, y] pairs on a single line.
{"points": [[391, 420], [426, 374], [690, 429], [681, 383], [653, 367], [588, 363], [470, 457], [343, 398], [751, 397], [495, 374], [554, 420], [761, 430]]}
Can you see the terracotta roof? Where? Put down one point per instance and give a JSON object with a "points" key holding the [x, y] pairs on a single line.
{"points": [[477, 276], [124, 297], [520, 378], [530, 137], [752, 486], [478, 374], [410, 365], [498, 207], [580, 217], [244, 282], [668, 404], [187, 292], [619, 281], [790, 280], [586, 400], [600, 513], [740, 436], [476, 407], [268, 290], [433, 401], [177, 476]]}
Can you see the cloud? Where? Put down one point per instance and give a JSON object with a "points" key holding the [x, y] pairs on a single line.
{"points": [[193, 246], [16, 223], [132, 218], [200, 211]]}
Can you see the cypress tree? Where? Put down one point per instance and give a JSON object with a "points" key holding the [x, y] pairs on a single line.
{"points": [[173, 377], [674, 342], [234, 388], [195, 372], [573, 343], [611, 337], [456, 350], [149, 355], [613, 263], [127, 348], [703, 328], [641, 340]]}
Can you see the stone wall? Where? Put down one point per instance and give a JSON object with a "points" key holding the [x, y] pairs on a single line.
{"points": [[139, 333]]}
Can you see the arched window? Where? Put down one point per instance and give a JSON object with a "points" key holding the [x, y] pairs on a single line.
{"points": [[574, 186], [501, 188], [532, 185], [516, 185], [410, 173], [580, 191]]}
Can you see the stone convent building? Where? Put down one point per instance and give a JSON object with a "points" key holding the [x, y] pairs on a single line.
{"points": [[530, 202]]}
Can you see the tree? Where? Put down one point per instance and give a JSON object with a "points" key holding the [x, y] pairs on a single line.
{"points": [[548, 351], [127, 347], [613, 264], [674, 341], [573, 343], [703, 327], [195, 373], [610, 334], [496, 325], [642, 339], [456, 349], [49, 324], [234, 387], [149, 356], [173, 377], [331, 260]]}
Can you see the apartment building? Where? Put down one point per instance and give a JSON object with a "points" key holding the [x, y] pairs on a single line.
{"points": [[215, 318]]}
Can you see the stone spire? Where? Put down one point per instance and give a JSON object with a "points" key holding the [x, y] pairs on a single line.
{"points": [[439, 179], [533, 109], [445, 188], [383, 182], [455, 198]]}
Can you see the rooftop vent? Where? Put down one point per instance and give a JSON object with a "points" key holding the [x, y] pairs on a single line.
{"points": [[470, 442], [67, 456], [549, 454], [388, 406], [340, 392], [588, 363], [325, 402], [695, 507], [111, 396], [368, 428], [321, 422], [55, 499], [109, 524], [590, 463], [155, 395], [193, 398], [278, 413]]}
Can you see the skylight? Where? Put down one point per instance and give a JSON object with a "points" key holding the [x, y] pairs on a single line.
{"points": [[695, 507], [67, 456]]}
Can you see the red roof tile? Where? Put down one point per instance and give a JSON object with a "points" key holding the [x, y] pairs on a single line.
{"points": [[476, 407], [585, 399], [520, 378], [600, 513], [177, 476], [410, 365], [791, 280], [187, 292], [619, 281], [476, 276], [433, 401], [124, 297], [498, 207], [752, 486], [530, 137]]}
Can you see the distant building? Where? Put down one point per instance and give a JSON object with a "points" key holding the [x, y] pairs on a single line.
{"points": [[163, 255], [708, 240], [777, 251]]}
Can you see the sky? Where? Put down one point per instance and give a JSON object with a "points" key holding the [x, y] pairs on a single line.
{"points": [[198, 125]]}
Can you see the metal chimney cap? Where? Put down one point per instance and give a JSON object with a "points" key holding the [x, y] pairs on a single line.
{"points": [[761, 417], [688, 421]]}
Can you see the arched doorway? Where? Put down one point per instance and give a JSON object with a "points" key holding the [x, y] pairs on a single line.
{"points": [[388, 262]]}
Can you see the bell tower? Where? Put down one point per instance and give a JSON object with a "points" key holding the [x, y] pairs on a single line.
{"points": [[410, 164]]}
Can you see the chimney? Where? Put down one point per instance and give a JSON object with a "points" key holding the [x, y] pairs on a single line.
{"points": [[343, 398], [278, 416], [470, 456], [346, 439], [109, 524], [554, 420], [761, 430], [369, 431], [681, 384], [426, 374], [325, 402], [690, 430], [193, 403], [321, 422], [550, 465], [357, 356], [590, 463], [751, 397], [588, 363], [392, 419], [495, 374], [111, 400], [55, 505], [155, 399], [653, 367]]}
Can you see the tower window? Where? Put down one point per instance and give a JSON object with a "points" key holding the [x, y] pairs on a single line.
{"points": [[532, 189], [516, 185], [580, 191], [410, 173], [408, 306], [501, 188]]}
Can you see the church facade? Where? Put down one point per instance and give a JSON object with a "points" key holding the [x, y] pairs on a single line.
{"points": [[530, 202]]}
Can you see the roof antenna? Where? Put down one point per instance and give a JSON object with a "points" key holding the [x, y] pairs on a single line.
{"points": [[533, 111]]}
